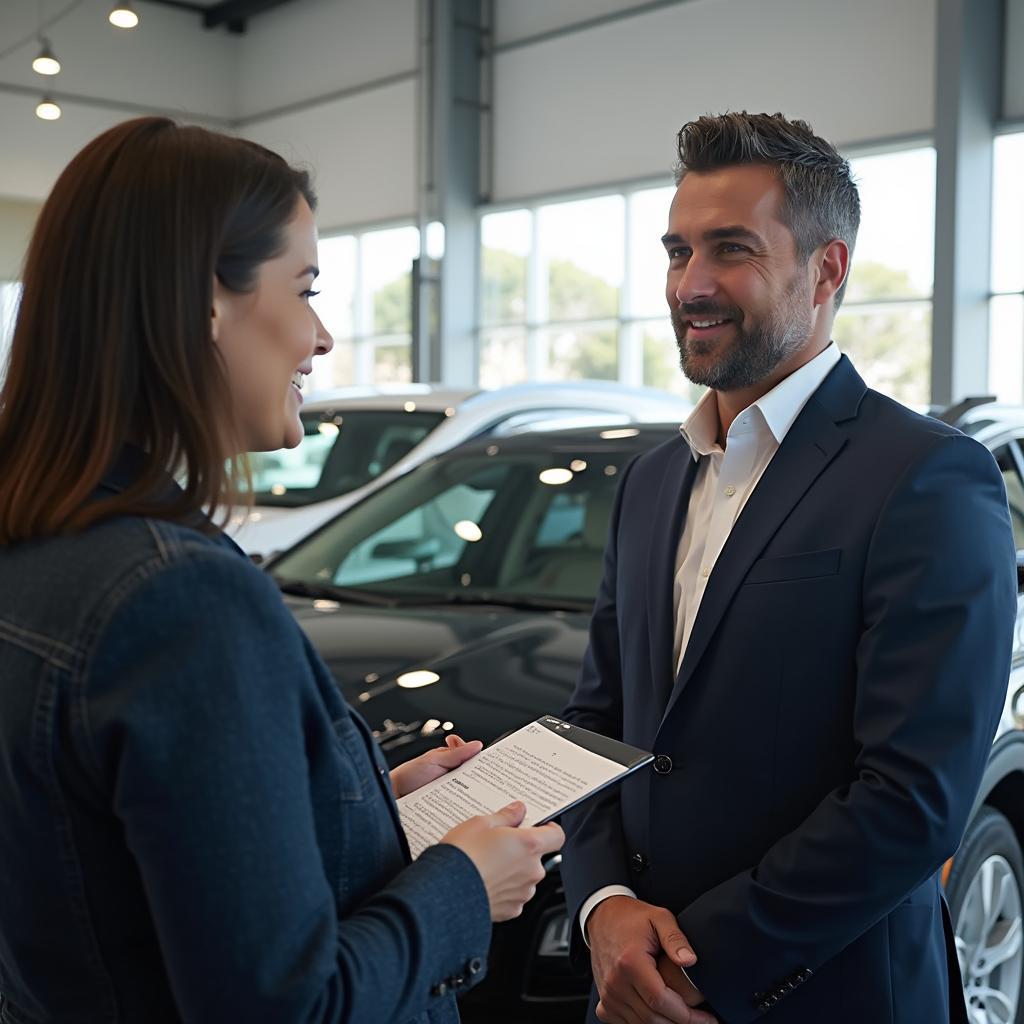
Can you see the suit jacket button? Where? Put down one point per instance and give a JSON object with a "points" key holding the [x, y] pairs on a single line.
{"points": [[440, 989], [475, 966], [638, 862], [663, 764]]}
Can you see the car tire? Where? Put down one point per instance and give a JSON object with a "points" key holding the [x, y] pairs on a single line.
{"points": [[985, 892]]}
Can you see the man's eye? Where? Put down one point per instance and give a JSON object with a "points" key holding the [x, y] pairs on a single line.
{"points": [[733, 247], [679, 252]]}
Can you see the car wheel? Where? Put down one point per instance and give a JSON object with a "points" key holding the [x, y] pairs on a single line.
{"points": [[984, 891]]}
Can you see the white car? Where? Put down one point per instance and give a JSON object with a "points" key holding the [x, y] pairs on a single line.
{"points": [[357, 438]]}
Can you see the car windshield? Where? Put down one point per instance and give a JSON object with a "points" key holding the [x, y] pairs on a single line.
{"points": [[522, 528], [339, 452]]}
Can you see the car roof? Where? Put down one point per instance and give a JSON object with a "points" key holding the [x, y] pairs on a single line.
{"points": [[428, 398], [612, 436]]}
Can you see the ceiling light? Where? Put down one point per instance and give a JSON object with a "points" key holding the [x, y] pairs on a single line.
{"points": [[122, 15], [46, 63], [414, 680], [409, 407], [578, 465], [47, 110], [554, 477], [610, 435]]}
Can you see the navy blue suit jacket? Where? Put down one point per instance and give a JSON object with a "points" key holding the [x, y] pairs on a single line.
{"points": [[830, 722]]}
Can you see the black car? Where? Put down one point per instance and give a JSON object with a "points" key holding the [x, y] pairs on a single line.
{"points": [[457, 598]]}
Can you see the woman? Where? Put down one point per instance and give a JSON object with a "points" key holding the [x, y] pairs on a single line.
{"points": [[193, 825]]}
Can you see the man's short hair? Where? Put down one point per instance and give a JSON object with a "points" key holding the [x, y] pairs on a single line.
{"points": [[821, 200]]}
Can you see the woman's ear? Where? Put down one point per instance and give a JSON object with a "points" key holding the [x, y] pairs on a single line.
{"points": [[217, 310]]}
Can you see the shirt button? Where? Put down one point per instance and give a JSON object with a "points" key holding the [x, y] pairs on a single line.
{"points": [[638, 862], [705, 571], [730, 491], [663, 764]]}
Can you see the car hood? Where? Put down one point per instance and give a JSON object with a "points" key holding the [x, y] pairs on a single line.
{"points": [[497, 668]]}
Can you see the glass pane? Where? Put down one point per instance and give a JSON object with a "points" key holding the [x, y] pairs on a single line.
{"points": [[1014, 494], [476, 525], [890, 345], [581, 249], [10, 294], [1006, 348], [387, 280], [1008, 214], [649, 264], [895, 249], [392, 362], [340, 451], [424, 540], [587, 350], [661, 360], [502, 357], [505, 240], [336, 370]]}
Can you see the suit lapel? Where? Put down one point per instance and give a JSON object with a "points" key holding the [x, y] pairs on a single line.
{"points": [[666, 528], [812, 443]]}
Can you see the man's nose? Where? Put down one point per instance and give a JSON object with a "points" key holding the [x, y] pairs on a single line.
{"points": [[695, 282]]}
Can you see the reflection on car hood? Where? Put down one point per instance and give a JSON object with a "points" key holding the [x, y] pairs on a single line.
{"points": [[497, 669]]}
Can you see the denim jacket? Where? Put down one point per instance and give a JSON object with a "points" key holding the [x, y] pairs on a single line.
{"points": [[193, 824]]}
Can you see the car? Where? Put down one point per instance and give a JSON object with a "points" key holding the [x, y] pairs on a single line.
{"points": [[357, 438], [457, 598]]}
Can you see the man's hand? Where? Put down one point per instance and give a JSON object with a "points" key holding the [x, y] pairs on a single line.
{"points": [[627, 936], [408, 777], [677, 980]]}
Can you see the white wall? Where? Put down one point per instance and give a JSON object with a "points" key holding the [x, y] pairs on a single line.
{"points": [[604, 104], [361, 147]]}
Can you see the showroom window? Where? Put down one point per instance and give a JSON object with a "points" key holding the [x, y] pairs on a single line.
{"points": [[576, 289], [365, 301], [1006, 307], [10, 292]]}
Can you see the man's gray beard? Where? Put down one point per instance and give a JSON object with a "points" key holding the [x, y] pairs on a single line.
{"points": [[753, 355]]}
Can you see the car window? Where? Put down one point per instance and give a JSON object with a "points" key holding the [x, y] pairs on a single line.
{"points": [[1014, 492], [522, 524], [339, 452]]}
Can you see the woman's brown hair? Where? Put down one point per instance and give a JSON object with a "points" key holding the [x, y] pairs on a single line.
{"points": [[113, 337]]}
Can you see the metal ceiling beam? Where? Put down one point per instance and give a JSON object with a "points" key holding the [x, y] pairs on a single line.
{"points": [[232, 14]]}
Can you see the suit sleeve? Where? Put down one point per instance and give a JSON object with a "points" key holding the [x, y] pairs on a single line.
{"points": [[938, 606], [203, 719], [594, 854]]}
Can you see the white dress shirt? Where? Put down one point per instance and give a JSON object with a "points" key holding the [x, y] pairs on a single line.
{"points": [[726, 477]]}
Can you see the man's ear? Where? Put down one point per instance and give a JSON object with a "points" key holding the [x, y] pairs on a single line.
{"points": [[833, 266]]}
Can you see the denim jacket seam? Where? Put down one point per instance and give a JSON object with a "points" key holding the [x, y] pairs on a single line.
{"points": [[54, 652], [44, 713], [170, 551]]}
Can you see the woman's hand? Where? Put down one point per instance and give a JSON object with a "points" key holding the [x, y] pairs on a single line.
{"points": [[408, 777]]}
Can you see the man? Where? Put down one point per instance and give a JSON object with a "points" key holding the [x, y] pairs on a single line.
{"points": [[806, 614]]}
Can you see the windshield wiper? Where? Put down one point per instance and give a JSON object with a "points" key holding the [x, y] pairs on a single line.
{"points": [[330, 592], [517, 601]]}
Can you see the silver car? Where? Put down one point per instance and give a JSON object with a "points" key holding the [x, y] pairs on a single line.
{"points": [[358, 438]]}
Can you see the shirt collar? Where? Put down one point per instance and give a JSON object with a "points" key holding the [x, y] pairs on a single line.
{"points": [[778, 409]]}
